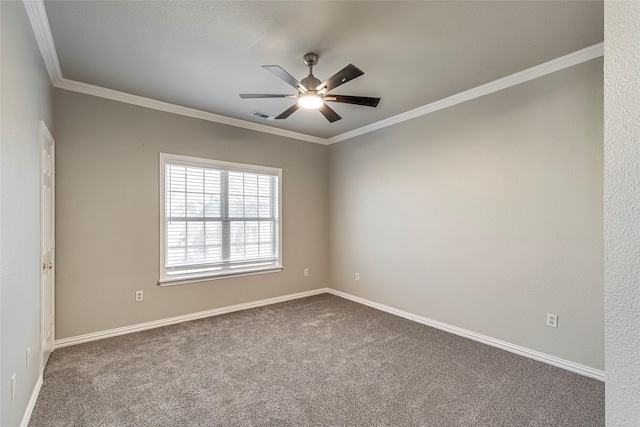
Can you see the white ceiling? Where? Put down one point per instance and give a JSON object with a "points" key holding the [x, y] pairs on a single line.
{"points": [[202, 54]]}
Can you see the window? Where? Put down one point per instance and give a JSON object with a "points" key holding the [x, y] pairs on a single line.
{"points": [[217, 219]]}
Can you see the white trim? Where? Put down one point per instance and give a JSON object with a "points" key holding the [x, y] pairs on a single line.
{"points": [[40, 25], [32, 403], [258, 266], [180, 110], [218, 164], [566, 61], [503, 345], [541, 70], [46, 139], [512, 348], [184, 318], [39, 22], [45, 132], [229, 275]]}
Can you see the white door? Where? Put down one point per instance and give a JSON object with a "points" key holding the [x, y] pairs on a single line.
{"points": [[47, 243]]}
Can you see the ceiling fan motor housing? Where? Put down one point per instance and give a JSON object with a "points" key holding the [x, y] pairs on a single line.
{"points": [[310, 82]]}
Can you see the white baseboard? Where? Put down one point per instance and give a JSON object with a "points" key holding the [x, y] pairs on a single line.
{"points": [[185, 318], [522, 351], [32, 403]]}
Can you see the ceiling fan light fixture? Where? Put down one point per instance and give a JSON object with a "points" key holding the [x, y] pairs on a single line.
{"points": [[312, 94], [310, 101]]}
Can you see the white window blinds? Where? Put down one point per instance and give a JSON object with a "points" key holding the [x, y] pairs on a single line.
{"points": [[219, 218]]}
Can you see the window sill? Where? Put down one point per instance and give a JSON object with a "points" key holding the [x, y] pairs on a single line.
{"points": [[217, 276]]}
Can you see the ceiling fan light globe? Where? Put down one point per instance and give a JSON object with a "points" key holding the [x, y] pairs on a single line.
{"points": [[310, 101]]}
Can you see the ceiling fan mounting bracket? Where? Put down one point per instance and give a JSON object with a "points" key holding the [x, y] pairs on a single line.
{"points": [[310, 59]]}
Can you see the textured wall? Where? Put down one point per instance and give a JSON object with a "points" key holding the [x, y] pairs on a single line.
{"points": [[26, 99], [622, 212], [107, 213], [485, 216]]}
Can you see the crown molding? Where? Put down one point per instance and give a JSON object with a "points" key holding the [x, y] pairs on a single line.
{"points": [[532, 73], [142, 101], [40, 23], [575, 58]]}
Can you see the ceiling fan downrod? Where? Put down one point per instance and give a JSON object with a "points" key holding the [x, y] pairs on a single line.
{"points": [[310, 82]]}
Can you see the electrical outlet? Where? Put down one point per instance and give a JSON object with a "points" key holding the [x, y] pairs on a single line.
{"points": [[28, 358], [12, 393], [552, 320], [139, 296], [306, 272], [357, 276]]}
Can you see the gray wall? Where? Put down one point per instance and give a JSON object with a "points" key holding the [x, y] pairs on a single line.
{"points": [[621, 209], [26, 99], [486, 216], [424, 160], [107, 213]]}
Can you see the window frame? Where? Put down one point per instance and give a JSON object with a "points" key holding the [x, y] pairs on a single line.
{"points": [[200, 162]]}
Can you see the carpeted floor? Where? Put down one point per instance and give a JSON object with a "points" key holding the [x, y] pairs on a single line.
{"points": [[317, 361]]}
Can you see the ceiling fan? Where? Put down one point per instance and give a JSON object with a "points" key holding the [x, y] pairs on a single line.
{"points": [[312, 94]]}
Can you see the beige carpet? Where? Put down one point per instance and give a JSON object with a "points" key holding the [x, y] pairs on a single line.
{"points": [[317, 361]]}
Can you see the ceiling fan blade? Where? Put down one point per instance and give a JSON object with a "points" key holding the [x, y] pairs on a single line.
{"points": [[331, 115], [348, 73], [289, 111], [279, 72], [357, 100], [266, 95]]}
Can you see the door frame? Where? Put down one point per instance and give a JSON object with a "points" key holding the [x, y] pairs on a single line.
{"points": [[47, 255]]}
